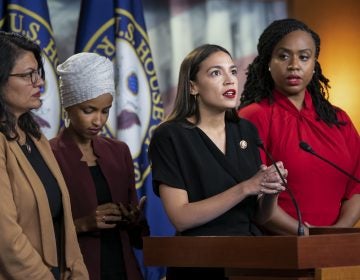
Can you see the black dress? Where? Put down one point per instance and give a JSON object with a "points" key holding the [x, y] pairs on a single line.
{"points": [[184, 157]]}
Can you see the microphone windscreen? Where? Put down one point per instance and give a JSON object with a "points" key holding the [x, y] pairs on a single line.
{"points": [[305, 146]]}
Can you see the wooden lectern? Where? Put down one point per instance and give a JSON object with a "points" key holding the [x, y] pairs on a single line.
{"points": [[260, 258]]}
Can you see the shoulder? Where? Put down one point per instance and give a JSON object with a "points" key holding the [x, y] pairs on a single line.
{"points": [[244, 126], [42, 142], [172, 129], [255, 110], [103, 142], [342, 115]]}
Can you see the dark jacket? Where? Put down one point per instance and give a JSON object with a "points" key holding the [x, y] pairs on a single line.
{"points": [[115, 161]]}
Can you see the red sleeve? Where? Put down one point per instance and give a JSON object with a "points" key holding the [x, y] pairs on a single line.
{"points": [[353, 145]]}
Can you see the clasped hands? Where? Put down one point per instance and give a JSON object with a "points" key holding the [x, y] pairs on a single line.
{"points": [[269, 180], [110, 215]]}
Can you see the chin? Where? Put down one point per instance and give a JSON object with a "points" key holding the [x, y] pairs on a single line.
{"points": [[36, 105]]}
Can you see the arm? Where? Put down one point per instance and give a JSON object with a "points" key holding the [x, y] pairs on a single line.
{"points": [[350, 212], [350, 208], [185, 215], [282, 223]]}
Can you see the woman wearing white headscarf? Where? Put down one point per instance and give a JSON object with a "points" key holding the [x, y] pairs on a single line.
{"points": [[98, 171]]}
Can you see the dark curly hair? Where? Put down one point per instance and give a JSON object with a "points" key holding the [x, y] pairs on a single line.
{"points": [[12, 46], [186, 105], [259, 83]]}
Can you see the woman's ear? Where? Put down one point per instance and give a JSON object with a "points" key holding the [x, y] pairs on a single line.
{"points": [[193, 88]]}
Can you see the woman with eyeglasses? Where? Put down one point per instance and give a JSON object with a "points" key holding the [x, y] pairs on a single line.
{"points": [[38, 239]]}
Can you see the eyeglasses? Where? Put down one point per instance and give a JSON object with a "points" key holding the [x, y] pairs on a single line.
{"points": [[34, 76]]}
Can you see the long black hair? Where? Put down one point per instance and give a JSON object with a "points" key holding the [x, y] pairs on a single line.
{"points": [[259, 83], [12, 46], [186, 104]]}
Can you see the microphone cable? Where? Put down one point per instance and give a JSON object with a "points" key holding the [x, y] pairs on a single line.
{"points": [[301, 230]]}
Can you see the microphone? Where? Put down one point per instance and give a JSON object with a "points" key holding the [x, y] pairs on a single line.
{"points": [[301, 230], [307, 148]]}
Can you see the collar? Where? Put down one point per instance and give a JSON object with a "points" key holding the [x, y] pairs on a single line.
{"points": [[307, 109], [68, 143]]}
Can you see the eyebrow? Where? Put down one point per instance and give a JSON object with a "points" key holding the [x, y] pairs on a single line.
{"points": [[95, 108], [220, 67], [288, 50]]}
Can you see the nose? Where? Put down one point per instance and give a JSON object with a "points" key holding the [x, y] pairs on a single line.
{"points": [[96, 120], [40, 82], [230, 79], [293, 63], [99, 119]]}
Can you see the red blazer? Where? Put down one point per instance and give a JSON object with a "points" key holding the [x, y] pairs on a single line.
{"points": [[115, 161]]}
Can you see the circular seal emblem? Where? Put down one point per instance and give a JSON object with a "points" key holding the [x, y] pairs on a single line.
{"points": [[138, 106]]}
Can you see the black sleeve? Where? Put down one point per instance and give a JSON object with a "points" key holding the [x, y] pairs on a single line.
{"points": [[164, 161]]}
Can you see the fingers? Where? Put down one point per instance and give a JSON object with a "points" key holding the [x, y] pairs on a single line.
{"points": [[130, 213], [107, 215], [271, 183]]}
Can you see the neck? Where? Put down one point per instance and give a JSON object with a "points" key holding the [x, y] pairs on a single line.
{"points": [[22, 135], [212, 120], [297, 100], [78, 138]]}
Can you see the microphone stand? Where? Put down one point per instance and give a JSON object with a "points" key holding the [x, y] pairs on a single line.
{"points": [[307, 148], [301, 230]]}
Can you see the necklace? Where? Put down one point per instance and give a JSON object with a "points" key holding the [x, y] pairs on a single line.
{"points": [[26, 146]]}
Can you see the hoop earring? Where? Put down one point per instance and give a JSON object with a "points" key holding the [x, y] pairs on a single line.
{"points": [[66, 119]]}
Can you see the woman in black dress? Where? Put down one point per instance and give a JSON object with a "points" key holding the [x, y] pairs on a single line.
{"points": [[205, 160]]}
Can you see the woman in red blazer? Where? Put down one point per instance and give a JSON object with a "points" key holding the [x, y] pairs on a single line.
{"points": [[98, 171]]}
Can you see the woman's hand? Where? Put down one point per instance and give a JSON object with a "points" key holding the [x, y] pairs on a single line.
{"points": [[104, 217], [267, 180], [131, 214]]}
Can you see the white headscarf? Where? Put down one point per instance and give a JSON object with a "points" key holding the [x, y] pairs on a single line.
{"points": [[85, 76]]}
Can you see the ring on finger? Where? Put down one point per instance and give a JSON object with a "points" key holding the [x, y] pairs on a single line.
{"points": [[103, 219]]}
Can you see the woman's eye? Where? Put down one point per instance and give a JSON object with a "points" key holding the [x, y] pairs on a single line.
{"points": [[283, 56], [304, 57], [234, 72], [106, 111], [87, 111], [215, 73]]}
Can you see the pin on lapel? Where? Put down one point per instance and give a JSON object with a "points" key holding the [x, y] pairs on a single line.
{"points": [[243, 144]]}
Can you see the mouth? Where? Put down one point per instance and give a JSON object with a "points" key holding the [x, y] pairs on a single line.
{"points": [[94, 131], [293, 80], [231, 93], [36, 95]]}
